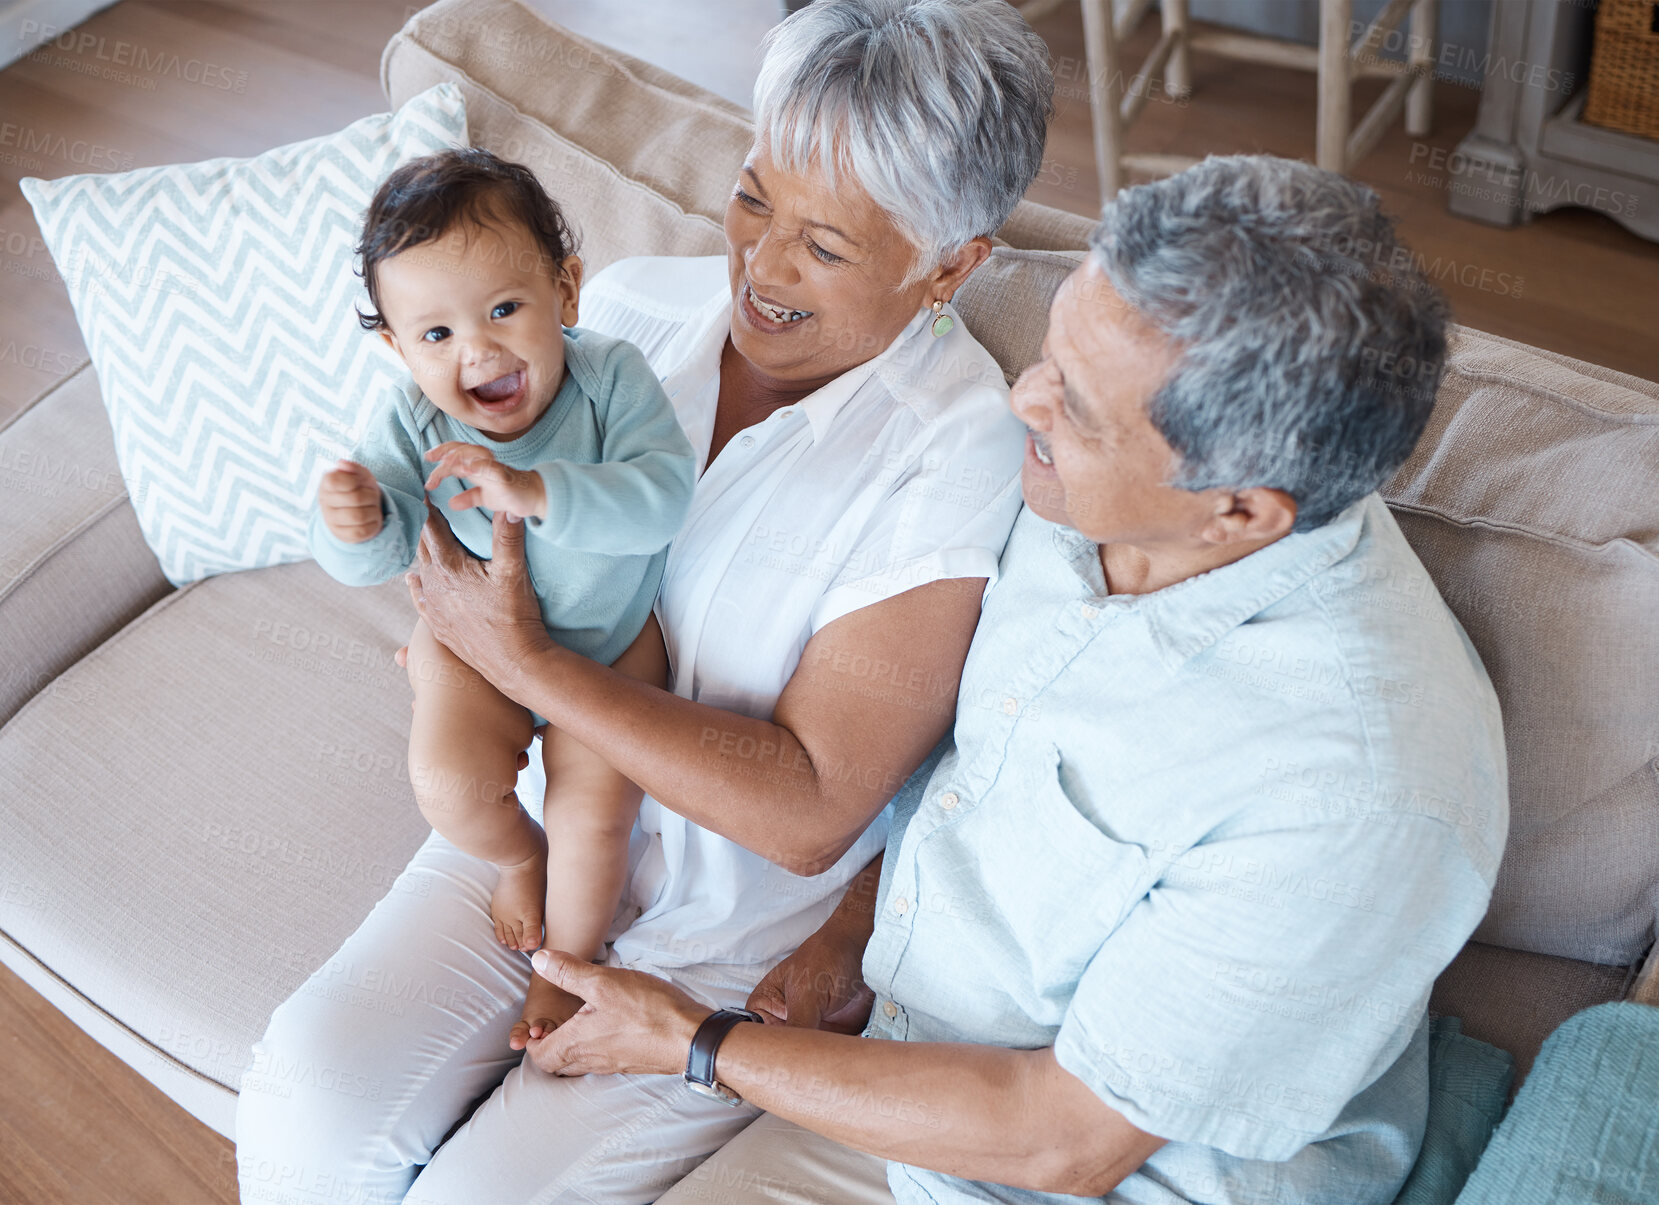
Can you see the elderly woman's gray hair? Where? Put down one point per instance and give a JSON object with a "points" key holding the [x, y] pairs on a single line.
{"points": [[1312, 342], [938, 108]]}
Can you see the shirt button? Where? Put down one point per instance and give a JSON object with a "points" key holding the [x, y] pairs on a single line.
{"points": [[949, 800], [891, 1009], [901, 905], [748, 441], [1010, 705], [1089, 612]]}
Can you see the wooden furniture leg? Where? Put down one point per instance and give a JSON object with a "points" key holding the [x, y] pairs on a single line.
{"points": [[1420, 99], [1105, 93], [1331, 139], [1338, 60], [1178, 73]]}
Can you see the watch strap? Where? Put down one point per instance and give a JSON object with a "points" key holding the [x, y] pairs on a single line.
{"points": [[699, 1064]]}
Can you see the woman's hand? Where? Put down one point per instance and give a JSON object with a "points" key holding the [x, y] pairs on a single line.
{"points": [[518, 491], [630, 1023], [484, 612], [820, 985]]}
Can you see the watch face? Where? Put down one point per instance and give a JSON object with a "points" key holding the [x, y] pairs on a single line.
{"points": [[715, 1091]]}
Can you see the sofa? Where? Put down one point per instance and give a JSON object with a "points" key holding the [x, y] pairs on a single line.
{"points": [[204, 787]]}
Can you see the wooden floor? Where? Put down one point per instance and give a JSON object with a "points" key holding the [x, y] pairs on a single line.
{"points": [[76, 1125], [79, 1127]]}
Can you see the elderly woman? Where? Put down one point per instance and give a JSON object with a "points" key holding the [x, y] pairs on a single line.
{"points": [[1164, 925], [858, 476]]}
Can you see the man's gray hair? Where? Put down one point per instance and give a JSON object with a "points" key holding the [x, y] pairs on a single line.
{"points": [[1311, 342], [938, 108]]}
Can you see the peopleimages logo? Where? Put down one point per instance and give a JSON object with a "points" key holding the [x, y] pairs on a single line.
{"points": [[121, 53], [1473, 175], [1455, 64], [1401, 265], [93, 156]]}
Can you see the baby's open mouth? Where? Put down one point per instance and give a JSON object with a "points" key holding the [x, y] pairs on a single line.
{"points": [[500, 391]]}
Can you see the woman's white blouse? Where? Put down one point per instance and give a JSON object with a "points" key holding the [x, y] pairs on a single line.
{"points": [[903, 471]]}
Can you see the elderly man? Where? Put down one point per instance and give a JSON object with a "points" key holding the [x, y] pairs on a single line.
{"points": [[1227, 784]]}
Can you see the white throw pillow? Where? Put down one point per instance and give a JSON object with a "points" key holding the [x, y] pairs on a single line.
{"points": [[218, 303]]}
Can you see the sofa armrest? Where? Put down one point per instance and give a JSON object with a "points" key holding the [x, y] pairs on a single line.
{"points": [[74, 567]]}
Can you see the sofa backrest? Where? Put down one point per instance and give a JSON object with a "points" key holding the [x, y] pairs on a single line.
{"points": [[1533, 499]]}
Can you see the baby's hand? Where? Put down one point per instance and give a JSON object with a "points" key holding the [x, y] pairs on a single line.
{"points": [[349, 498], [516, 491]]}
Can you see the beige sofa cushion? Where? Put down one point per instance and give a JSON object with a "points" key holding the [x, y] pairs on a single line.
{"points": [[1515, 1000], [644, 161], [1533, 499], [188, 850], [1005, 302]]}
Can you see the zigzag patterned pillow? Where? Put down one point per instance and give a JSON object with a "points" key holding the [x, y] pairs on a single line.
{"points": [[217, 303]]}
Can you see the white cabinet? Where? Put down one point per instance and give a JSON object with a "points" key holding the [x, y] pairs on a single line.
{"points": [[1529, 151]]}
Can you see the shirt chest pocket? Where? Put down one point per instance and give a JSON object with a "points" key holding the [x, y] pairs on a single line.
{"points": [[1058, 881]]}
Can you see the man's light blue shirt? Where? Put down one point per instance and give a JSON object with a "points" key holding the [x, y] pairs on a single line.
{"points": [[1212, 844]]}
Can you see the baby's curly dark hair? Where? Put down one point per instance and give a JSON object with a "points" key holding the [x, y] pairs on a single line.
{"points": [[425, 198]]}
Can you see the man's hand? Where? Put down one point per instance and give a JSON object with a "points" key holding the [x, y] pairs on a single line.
{"points": [[630, 1023], [820, 985], [349, 499], [519, 492], [484, 612]]}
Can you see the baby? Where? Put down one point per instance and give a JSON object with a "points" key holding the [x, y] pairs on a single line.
{"points": [[473, 282]]}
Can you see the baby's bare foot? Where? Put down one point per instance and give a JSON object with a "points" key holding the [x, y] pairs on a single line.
{"points": [[546, 1007], [516, 906]]}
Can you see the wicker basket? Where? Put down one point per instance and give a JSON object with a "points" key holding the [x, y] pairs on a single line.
{"points": [[1624, 68]]}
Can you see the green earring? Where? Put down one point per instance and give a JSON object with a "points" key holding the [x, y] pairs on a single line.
{"points": [[943, 323]]}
